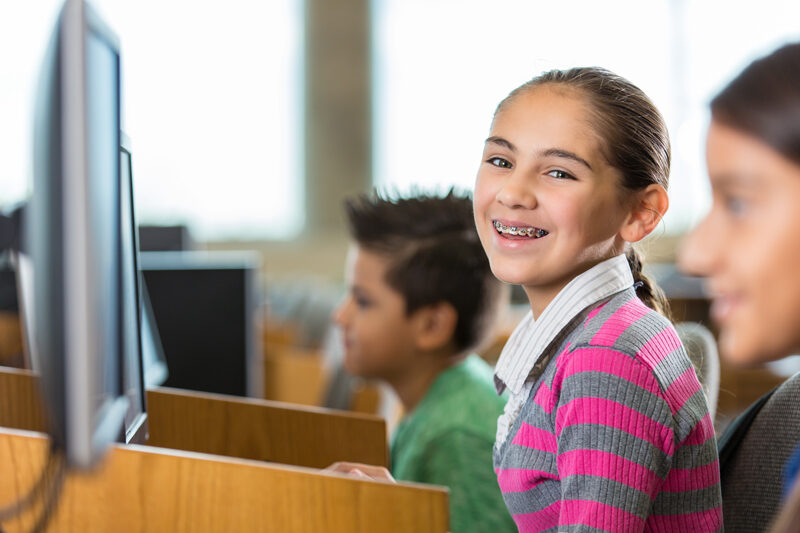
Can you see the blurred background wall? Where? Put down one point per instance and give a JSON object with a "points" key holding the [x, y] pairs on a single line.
{"points": [[250, 120]]}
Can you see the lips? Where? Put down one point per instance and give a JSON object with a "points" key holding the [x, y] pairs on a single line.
{"points": [[347, 343], [725, 298], [721, 307]]}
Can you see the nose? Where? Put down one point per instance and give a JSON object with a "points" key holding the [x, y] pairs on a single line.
{"points": [[341, 314], [518, 191], [699, 253]]}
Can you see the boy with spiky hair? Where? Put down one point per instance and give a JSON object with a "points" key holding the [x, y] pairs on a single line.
{"points": [[420, 297]]}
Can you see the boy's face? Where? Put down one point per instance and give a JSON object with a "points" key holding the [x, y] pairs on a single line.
{"points": [[378, 336]]}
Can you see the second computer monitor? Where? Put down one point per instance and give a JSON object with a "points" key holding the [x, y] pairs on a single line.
{"points": [[205, 308]]}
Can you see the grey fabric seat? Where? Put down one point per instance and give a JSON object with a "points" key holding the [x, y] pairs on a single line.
{"points": [[752, 467], [702, 350]]}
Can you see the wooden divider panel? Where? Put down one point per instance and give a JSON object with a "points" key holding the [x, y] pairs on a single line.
{"points": [[21, 404], [226, 425], [263, 430]]}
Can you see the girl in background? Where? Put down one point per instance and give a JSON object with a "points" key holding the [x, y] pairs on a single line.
{"points": [[607, 427], [749, 244]]}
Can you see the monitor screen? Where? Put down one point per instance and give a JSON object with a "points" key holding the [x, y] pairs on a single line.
{"points": [[101, 196], [205, 308], [74, 228]]}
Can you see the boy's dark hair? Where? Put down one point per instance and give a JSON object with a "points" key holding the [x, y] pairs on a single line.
{"points": [[434, 255]]}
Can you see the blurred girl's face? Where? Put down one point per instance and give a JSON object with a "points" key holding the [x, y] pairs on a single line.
{"points": [[749, 247]]}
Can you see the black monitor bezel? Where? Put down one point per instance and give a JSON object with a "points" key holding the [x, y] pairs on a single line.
{"points": [[135, 431]]}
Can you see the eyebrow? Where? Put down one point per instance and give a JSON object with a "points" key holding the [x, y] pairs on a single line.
{"points": [[550, 152], [557, 152], [735, 178], [356, 289], [725, 182], [502, 142]]}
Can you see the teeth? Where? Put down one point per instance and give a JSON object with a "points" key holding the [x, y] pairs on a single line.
{"points": [[536, 233]]}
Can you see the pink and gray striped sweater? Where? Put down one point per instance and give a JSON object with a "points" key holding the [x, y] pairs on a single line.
{"points": [[616, 434]]}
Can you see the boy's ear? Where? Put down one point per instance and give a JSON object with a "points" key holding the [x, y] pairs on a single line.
{"points": [[434, 325], [651, 205]]}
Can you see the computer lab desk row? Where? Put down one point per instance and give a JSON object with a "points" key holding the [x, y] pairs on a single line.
{"points": [[216, 463]]}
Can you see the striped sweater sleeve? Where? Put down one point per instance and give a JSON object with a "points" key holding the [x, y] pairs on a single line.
{"points": [[614, 437]]}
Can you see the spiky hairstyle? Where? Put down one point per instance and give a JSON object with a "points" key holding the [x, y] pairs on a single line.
{"points": [[434, 255]]}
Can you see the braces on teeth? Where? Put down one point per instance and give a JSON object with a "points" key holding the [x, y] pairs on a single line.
{"points": [[524, 232]]}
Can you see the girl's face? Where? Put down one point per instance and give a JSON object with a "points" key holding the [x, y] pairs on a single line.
{"points": [[749, 247], [547, 204]]}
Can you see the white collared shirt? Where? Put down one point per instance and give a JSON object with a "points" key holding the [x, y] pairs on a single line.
{"points": [[531, 337]]}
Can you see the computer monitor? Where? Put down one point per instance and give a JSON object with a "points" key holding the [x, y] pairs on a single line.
{"points": [[74, 237], [176, 238], [133, 371], [205, 307], [154, 361], [146, 366]]}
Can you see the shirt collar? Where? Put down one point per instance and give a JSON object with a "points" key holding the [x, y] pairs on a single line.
{"points": [[531, 337]]}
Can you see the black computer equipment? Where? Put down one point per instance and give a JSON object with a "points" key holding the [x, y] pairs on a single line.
{"points": [[205, 308]]}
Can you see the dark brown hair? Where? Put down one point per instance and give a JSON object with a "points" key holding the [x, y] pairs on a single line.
{"points": [[634, 140], [435, 255], [764, 101]]}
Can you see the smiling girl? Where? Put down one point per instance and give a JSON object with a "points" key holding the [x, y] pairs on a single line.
{"points": [[607, 427]]}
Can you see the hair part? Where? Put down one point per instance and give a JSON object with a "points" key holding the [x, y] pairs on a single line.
{"points": [[434, 255], [764, 101], [633, 139]]}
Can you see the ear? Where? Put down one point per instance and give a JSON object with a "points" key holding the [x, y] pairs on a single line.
{"points": [[650, 207], [434, 325]]}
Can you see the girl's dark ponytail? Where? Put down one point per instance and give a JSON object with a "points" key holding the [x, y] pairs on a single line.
{"points": [[647, 291]]}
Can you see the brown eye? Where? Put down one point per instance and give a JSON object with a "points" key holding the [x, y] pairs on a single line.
{"points": [[735, 206], [500, 162], [560, 174]]}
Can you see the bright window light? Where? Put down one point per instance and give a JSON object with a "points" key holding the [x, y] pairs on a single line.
{"points": [[211, 101], [441, 67]]}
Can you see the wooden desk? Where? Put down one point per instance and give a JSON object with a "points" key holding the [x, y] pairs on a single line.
{"points": [[139, 488]]}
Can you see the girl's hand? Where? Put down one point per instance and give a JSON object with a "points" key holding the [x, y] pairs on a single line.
{"points": [[360, 470]]}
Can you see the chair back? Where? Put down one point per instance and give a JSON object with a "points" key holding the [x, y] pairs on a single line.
{"points": [[702, 350]]}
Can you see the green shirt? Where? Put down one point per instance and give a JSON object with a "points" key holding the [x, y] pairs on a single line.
{"points": [[447, 440]]}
